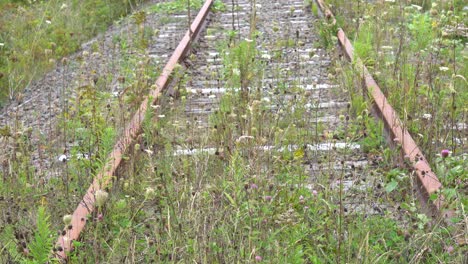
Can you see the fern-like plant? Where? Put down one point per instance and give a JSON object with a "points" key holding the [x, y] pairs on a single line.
{"points": [[40, 247]]}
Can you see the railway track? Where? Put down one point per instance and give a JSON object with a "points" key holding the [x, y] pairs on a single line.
{"points": [[256, 90], [257, 85]]}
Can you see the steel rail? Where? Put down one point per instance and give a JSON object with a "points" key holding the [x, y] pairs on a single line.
{"points": [[397, 134], [133, 129]]}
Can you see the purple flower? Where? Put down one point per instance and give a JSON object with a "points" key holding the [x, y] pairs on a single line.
{"points": [[268, 198], [314, 192], [253, 186], [258, 258], [444, 153], [449, 249]]}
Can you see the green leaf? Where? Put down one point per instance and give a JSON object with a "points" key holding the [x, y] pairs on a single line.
{"points": [[299, 154], [433, 196], [391, 186], [230, 199], [450, 193], [42, 244]]}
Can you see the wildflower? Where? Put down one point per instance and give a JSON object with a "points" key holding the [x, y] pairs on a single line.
{"points": [[149, 193], [100, 217], [258, 258], [266, 56], [427, 116], [253, 186], [48, 22], [268, 198], [101, 197], [2, 44], [301, 199], [417, 7], [67, 219], [63, 158], [314, 192], [443, 69], [243, 138], [63, 6], [449, 249], [444, 153]]}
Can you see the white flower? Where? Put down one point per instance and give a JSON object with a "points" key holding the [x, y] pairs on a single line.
{"points": [[149, 193], [443, 69], [63, 158], [236, 72], [248, 40], [150, 152], [417, 7], [242, 138], [63, 6], [427, 116], [48, 22], [266, 56], [2, 44], [161, 116]]}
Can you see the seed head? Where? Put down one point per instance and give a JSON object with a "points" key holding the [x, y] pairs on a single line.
{"points": [[101, 197], [67, 219]]}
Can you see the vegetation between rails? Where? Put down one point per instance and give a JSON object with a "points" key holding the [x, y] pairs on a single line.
{"points": [[86, 129], [238, 205], [417, 51]]}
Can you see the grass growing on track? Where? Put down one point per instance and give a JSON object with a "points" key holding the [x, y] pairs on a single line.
{"points": [[244, 205], [86, 128], [418, 54]]}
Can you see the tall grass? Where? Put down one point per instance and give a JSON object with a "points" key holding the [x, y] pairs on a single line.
{"points": [[34, 35]]}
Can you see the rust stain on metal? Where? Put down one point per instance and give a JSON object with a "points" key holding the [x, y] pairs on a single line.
{"points": [[326, 11], [427, 179], [102, 180]]}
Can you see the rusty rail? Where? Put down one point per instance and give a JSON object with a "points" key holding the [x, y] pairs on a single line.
{"points": [[114, 160], [397, 133]]}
